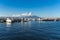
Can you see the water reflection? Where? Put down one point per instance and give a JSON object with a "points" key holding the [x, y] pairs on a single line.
{"points": [[8, 24], [30, 31], [25, 24], [29, 23]]}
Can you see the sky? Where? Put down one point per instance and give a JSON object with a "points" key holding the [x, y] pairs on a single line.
{"points": [[41, 8]]}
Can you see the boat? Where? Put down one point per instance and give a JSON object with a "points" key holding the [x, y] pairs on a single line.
{"points": [[8, 20]]}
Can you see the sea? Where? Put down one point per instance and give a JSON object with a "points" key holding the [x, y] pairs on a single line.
{"points": [[31, 30]]}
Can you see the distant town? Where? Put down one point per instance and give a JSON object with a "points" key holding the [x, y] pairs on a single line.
{"points": [[25, 17]]}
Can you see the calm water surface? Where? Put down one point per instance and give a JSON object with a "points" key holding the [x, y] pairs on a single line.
{"points": [[32, 30]]}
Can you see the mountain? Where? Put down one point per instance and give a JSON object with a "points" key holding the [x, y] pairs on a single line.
{"points": [[25, 15]]}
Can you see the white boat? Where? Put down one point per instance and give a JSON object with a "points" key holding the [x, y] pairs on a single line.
{"points": [[8, 20]]}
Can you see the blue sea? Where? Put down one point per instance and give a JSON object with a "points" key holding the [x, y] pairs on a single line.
{"points": [[32, 30]]}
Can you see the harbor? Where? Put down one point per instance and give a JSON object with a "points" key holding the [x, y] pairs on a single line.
{"points": [[25, 17], [17, 19], [29, 19]]}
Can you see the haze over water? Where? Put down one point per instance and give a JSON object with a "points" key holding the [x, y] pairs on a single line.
{"points": [[32, 30]]}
